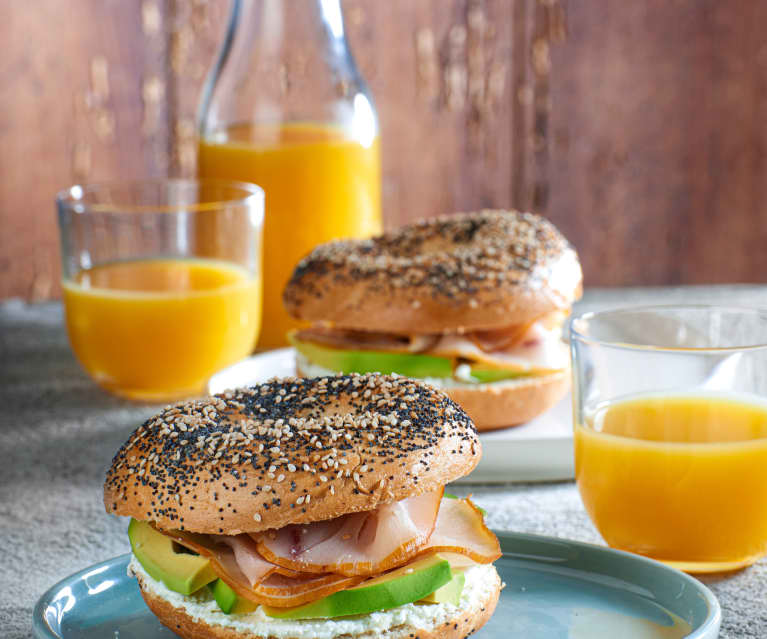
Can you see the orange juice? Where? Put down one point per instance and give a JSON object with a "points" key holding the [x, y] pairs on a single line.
{"points": [[319, 186], [679, 478], [158, 329]]}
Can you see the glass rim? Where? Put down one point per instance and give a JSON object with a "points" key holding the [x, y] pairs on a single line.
{"points": [[71, 197], [574, 333]]}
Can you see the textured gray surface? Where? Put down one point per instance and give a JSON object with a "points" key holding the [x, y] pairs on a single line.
{"points": [[58, 433]]}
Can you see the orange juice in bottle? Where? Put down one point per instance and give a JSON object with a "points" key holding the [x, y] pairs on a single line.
{"points": [[320, 185], [286, 108]]}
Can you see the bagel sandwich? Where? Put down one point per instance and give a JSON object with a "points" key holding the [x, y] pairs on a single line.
{"points": [[473, 303], [308, 508]]}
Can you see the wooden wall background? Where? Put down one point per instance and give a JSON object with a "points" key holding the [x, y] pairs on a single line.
{"points": [[639, 128]]}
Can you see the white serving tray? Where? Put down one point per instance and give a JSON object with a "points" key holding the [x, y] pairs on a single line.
{"points": [[541, 450]]}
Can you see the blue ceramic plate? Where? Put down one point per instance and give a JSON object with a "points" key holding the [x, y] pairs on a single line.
{"points": [[555, 589]]}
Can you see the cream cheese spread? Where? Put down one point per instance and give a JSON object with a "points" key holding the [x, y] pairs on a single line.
{"points": [[480, 583]]}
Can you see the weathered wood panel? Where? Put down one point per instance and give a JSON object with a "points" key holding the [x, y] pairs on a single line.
{"points": [[658, 134], [442, 75], [639, 128], [81, 97]]}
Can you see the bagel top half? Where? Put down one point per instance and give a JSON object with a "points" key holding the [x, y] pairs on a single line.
{"points": [[290, 451], [469, 271]]}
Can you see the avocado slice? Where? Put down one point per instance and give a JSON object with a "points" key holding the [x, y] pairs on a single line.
{"points": [[179, 571], [449, 593], [228, 600], [406, 584], [345, 361], [409, 364], [490, 375]]}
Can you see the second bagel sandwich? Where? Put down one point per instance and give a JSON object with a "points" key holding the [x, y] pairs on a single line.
{"points": [[308, 508], [472, 303]]}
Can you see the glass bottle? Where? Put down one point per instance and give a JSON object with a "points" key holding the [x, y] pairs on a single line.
{"points": [[285, 107]]}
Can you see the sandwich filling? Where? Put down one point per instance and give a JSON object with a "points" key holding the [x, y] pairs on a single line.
{"points": [[479, 588], [413, 550], [473, 357]]}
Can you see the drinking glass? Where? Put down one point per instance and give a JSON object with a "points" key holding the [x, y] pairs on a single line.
{"points": [[671, 431], [161, 281]]}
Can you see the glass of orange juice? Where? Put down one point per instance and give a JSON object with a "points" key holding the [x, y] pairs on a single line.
{"points": [[161, 281], [670, 414]]}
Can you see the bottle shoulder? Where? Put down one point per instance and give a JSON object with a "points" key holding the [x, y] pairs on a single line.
{"points": [[276, 64]]}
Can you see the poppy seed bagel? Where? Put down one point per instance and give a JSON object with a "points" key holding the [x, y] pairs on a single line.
{"points": [[290, 451], [469, 271]]}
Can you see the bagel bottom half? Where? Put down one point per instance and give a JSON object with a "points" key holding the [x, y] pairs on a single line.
{"points": [[189, 619], [491, 406], [511, 402]]}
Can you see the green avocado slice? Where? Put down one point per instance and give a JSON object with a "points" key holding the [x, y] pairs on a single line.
{"points": [[449, 593], [404, 585], [179, 571], [228, 600], [346, 361], [489, 375], [417, 365]]}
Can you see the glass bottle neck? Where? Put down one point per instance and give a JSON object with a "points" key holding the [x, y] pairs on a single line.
{"points": [[285, 62], [275, 28], [282, 60]]}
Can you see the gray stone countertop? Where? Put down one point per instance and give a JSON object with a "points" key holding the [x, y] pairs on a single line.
{"points": [[58, 433]]}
